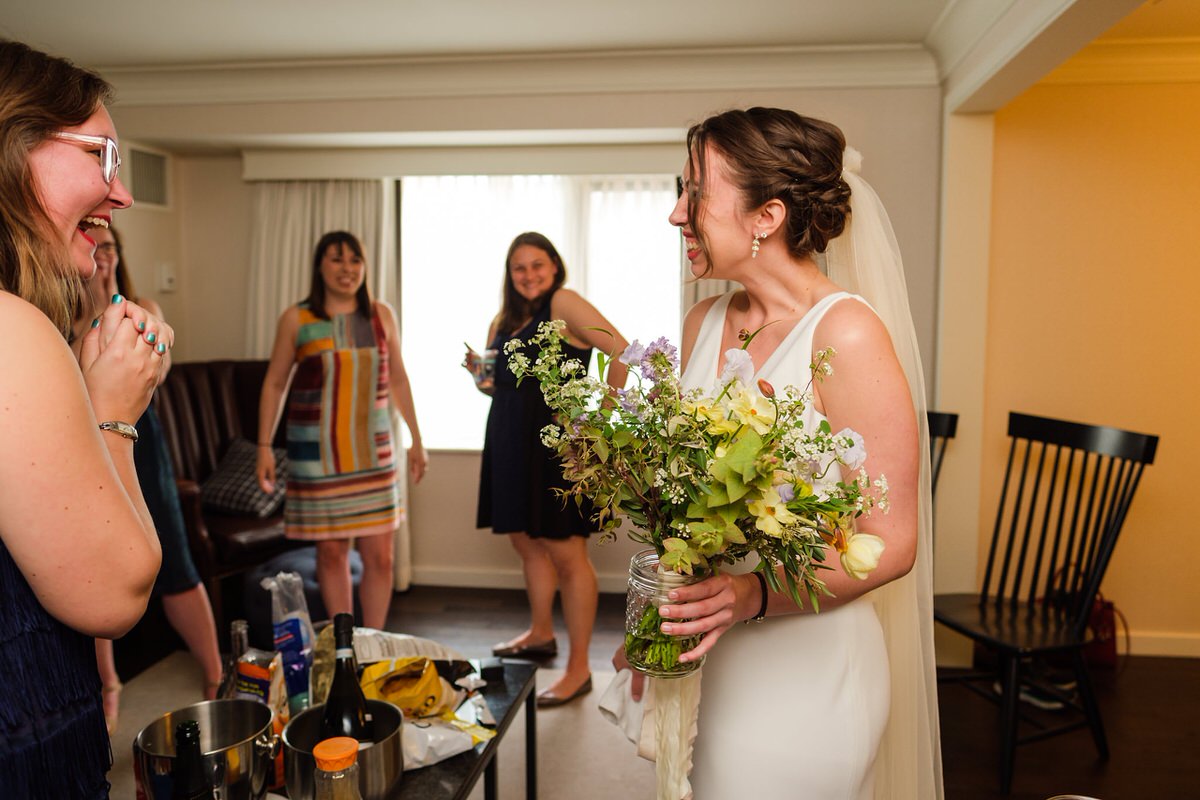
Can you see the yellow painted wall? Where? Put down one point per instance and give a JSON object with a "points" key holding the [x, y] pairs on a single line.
{"points": [[1094, 313]]}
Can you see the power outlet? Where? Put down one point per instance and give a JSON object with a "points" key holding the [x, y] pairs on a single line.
{"points": [[166, 276]]}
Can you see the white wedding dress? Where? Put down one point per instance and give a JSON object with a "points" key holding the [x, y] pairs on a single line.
{"points": [[794, 706]]}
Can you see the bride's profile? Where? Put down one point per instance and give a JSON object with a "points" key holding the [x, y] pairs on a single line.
{"points": [[840, 703]]}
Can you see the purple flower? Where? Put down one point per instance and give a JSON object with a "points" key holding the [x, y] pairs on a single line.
{"points": [[787, 492], [660, 359], [633, 354]]}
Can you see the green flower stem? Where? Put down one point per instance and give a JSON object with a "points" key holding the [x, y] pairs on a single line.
{"points": [[648, 649]]}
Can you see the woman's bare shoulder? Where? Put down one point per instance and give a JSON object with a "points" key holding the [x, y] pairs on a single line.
{"points": [[850, 323], [21, 321]]}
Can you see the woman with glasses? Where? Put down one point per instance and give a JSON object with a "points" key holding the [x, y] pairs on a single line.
{"points": [[184, 598], [78, 553]]}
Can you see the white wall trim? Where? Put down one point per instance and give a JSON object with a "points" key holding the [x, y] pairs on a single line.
{"points": [[1127, 61], [330, 164], [1024, 43], [1164, 643], [554, 73], [610, 582]]}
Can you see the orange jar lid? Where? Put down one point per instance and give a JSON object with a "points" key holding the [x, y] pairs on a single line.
{"points": [[336, 753]]}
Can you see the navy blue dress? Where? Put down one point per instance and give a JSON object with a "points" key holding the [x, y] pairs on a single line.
{"points": [[53, 742], [157, 480], [519, 473]]}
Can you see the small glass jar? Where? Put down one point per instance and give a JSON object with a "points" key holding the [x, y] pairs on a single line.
{"points": [[647, 648], [336, 776]]}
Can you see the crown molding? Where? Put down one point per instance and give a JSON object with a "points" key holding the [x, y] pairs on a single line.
{"points": [[535, 74], [1126, 61]]}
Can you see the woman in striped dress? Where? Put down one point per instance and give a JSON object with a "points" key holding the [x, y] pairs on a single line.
{"points": [[341, 353]]}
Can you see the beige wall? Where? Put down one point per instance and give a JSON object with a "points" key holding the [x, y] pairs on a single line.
{"points": [[897, 129], [1091, 301]]}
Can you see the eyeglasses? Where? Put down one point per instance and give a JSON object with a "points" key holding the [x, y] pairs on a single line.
{"points": [[110, 158], [107, 247]]}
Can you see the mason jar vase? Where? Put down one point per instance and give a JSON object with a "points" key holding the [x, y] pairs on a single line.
{"points": [[647, 648]]}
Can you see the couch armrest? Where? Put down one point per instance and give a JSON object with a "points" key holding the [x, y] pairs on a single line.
{"points": [[204, 552]]}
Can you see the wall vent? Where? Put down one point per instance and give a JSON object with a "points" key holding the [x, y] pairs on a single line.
{"points": [[148, 177]]}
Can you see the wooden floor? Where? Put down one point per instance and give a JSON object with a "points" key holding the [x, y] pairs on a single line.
{"points": [[1151, 707]]}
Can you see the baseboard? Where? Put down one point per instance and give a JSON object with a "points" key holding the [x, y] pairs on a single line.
{"points": [[500, 579], [1163, 643]]}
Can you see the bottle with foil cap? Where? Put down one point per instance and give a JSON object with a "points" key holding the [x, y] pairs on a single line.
{"points": [[336, 777], [187, 771], [345, 711]]}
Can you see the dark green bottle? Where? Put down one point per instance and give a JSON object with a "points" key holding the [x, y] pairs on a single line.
{"points": [[345, 709], [188, 781]]}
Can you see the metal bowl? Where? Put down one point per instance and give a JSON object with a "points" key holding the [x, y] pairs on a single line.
{"points": [[380, 765], [236, 739]]}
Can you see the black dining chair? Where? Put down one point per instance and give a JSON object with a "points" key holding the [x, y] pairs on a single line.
{"points": [[1067, 489], [942, 427]]}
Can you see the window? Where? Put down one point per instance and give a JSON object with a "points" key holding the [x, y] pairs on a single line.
{"points": [[612, 232]]}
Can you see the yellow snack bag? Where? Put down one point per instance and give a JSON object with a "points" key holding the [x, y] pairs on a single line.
{"points": [[411, 683]]}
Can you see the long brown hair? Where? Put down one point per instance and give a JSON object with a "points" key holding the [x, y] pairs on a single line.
{"points": [[39, 94], [316, 290], [514, 308], [776, 154]]}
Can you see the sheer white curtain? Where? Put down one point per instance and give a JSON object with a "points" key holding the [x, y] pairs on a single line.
{"points": [[632, 253], [289, 217], [612, 232], [452, 273]]}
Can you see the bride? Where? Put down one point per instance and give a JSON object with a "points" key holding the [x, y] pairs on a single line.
{"points": [[839, 704]]}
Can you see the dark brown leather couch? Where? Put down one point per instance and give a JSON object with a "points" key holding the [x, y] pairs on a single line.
{"points": [[204, 406]]}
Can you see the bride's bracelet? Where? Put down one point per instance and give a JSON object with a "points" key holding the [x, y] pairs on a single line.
{"points": [[762, 608]]}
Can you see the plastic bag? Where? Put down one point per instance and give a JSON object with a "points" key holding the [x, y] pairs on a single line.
{"points": [[428, 741], [294, 637], [413, 684]]}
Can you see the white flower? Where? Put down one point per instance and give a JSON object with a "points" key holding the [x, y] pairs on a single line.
{"points": [[739, 366], [850, 449], [861, 554]]}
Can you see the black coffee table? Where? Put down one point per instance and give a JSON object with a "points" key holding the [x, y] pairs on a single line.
{"points": [[454, 778]]}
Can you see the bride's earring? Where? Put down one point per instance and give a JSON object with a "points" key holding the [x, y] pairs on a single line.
{"points": [[754, 244]]}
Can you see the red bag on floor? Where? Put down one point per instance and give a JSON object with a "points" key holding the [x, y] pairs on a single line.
{"points": [[1101, 651]]}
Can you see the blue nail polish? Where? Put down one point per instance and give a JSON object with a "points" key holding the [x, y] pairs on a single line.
{"points": [[161, 348], [141, 326], [150, 338], [117, 298], [96, 322]]}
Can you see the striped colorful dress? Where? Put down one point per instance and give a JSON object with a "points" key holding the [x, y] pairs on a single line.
{"points": [[341, 471]]}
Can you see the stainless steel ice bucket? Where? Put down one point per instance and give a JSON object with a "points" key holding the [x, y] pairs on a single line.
{"points": [[380, 766], [237, 741]]}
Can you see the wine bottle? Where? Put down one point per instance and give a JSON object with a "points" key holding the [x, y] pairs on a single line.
{"points": [[188, 781], [239, 643], [345, 708]]}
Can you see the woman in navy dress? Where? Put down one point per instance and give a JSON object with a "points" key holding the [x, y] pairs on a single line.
{"points": [[519, 474], [78, 553]]}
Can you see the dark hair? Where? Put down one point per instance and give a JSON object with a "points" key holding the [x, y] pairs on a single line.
{"points": [[124, 279], [39, 94], [514, 308], [316, 291], [777, 154]]}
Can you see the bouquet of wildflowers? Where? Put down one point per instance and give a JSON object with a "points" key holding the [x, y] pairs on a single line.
{"points": [[707, 479]]}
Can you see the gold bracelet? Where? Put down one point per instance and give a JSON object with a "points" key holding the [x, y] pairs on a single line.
{"points": [[121, 429]]}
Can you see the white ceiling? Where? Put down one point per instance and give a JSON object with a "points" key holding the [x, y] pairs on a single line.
{"points": [[156, 32]]}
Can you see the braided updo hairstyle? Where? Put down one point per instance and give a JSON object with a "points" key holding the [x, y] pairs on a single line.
{"points": [[777, 154]]}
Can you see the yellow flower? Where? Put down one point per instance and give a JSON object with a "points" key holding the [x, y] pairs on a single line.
{"points": [[751, 408], [861, 555], [771, 514]]}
